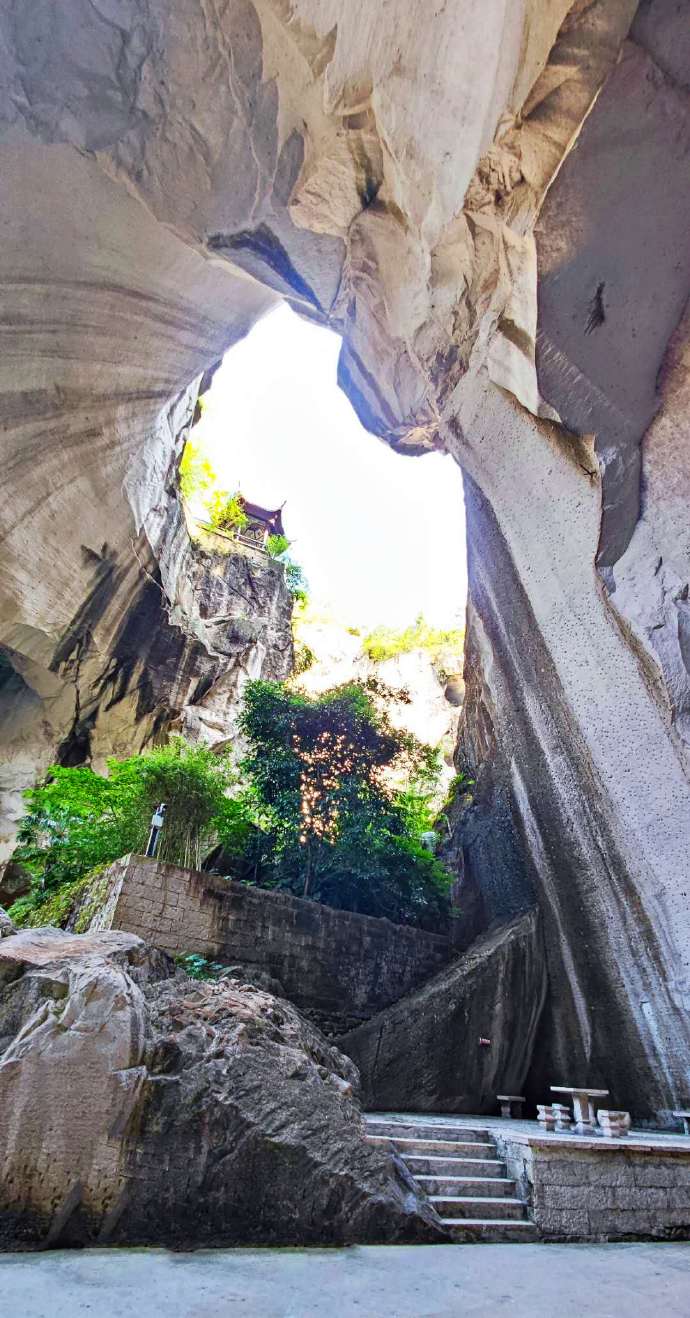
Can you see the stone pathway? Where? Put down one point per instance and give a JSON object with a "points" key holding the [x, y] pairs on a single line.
{"points": [[384, 1281], [458, 1168]]}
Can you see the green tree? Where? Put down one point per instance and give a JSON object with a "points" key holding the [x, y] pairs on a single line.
{"points": [[335, 827]]}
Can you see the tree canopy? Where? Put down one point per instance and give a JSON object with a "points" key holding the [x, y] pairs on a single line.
{"points": [[336, 827], [329, 802]]}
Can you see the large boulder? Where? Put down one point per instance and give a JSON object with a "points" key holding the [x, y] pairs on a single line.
{"points": [[140, 1106], [465, 1036]]}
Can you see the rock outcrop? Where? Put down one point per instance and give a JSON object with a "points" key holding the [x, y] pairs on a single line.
{"points": [[140, 1106], [163, 641], [466, 1035], [491, 209]]}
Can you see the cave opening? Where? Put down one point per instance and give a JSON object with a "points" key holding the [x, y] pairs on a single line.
{"points": [[373, 542], [381, 538]]}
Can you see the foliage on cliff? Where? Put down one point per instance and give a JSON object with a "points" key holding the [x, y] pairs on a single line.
{"points": [[388, 642], [78, 820], [334, 826]]}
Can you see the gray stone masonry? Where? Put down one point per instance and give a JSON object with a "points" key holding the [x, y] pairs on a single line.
{"points": [[598, 1189], [587, 1189], [330, 961]]}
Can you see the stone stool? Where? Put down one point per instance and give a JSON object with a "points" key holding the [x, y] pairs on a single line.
{"points": [[545, 1116], [511, 1104], [613, 1124], [685, 1118], [562, 1116]]}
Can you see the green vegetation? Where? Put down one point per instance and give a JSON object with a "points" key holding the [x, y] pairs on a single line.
{"points": [[225, 512], [304, 658], [277, 545], [334, 827], [196, 473], [198, 967], [387, 643], [295, 580], [317, 809], [79, 821]]}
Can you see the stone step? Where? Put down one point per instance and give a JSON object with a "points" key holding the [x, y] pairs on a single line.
{"points": [[420, 1164], [472, 1148], [455, 1206], [420, 1130], [490, 1231], [482, 1187]]}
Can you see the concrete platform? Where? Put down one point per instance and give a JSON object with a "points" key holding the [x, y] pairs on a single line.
{"points": [[423, 1281], [530, 1132]]}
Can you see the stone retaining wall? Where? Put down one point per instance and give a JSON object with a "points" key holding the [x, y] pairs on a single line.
{"points": [[329, 961], [601, 1190]]}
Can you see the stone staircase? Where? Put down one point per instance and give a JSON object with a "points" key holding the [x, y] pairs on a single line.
{"points": [[457, 1168]]}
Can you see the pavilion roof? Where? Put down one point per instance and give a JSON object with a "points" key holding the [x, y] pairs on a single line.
{"points": [[273, 517]]}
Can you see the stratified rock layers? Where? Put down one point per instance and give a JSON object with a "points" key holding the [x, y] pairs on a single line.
{"points": [[490, 207], [138, 1106], [465, 1036]]}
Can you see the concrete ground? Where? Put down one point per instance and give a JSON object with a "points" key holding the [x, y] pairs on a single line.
{"points": [[437, 1281]]}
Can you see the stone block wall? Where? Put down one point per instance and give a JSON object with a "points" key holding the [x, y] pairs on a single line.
{"points": [[332, 963], [596, 1191]]}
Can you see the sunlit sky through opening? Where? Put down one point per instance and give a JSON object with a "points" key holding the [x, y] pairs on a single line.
{"points": [[381, 537]]}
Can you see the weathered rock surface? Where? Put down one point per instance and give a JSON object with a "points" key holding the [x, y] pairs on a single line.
{"points": [[490, 207], [164, 641], [425, 1053], [137, 1105]]}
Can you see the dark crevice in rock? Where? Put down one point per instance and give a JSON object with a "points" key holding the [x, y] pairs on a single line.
{"points": [[268, 255]]}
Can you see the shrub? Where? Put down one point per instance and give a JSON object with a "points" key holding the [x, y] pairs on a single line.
{"points": [[387, 642], [78, 820], [276, 545], [196, 473], [226, 513], [304, 658], [295, 580], [198, 967]]}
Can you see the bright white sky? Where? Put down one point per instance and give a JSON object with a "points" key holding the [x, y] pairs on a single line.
{"points": [[381, 537]]}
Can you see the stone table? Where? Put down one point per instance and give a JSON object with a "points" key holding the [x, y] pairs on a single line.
{"points": [[585, 1116]]}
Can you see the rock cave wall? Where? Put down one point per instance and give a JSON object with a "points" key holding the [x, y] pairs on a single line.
{"points": [[491, 208]]}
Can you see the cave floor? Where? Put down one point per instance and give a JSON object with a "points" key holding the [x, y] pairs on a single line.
{"points": [[408, 1281]]}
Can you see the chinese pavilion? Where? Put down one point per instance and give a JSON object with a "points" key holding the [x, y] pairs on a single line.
{"points": [[262, 523]]}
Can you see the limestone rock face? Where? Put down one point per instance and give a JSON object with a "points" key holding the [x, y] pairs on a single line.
{"points": [[491, 208], [425, 1053], [140, 1106], [162, 642]]}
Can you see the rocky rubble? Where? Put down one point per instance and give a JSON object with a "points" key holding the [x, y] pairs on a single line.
{"points": [[140, 1106]]}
